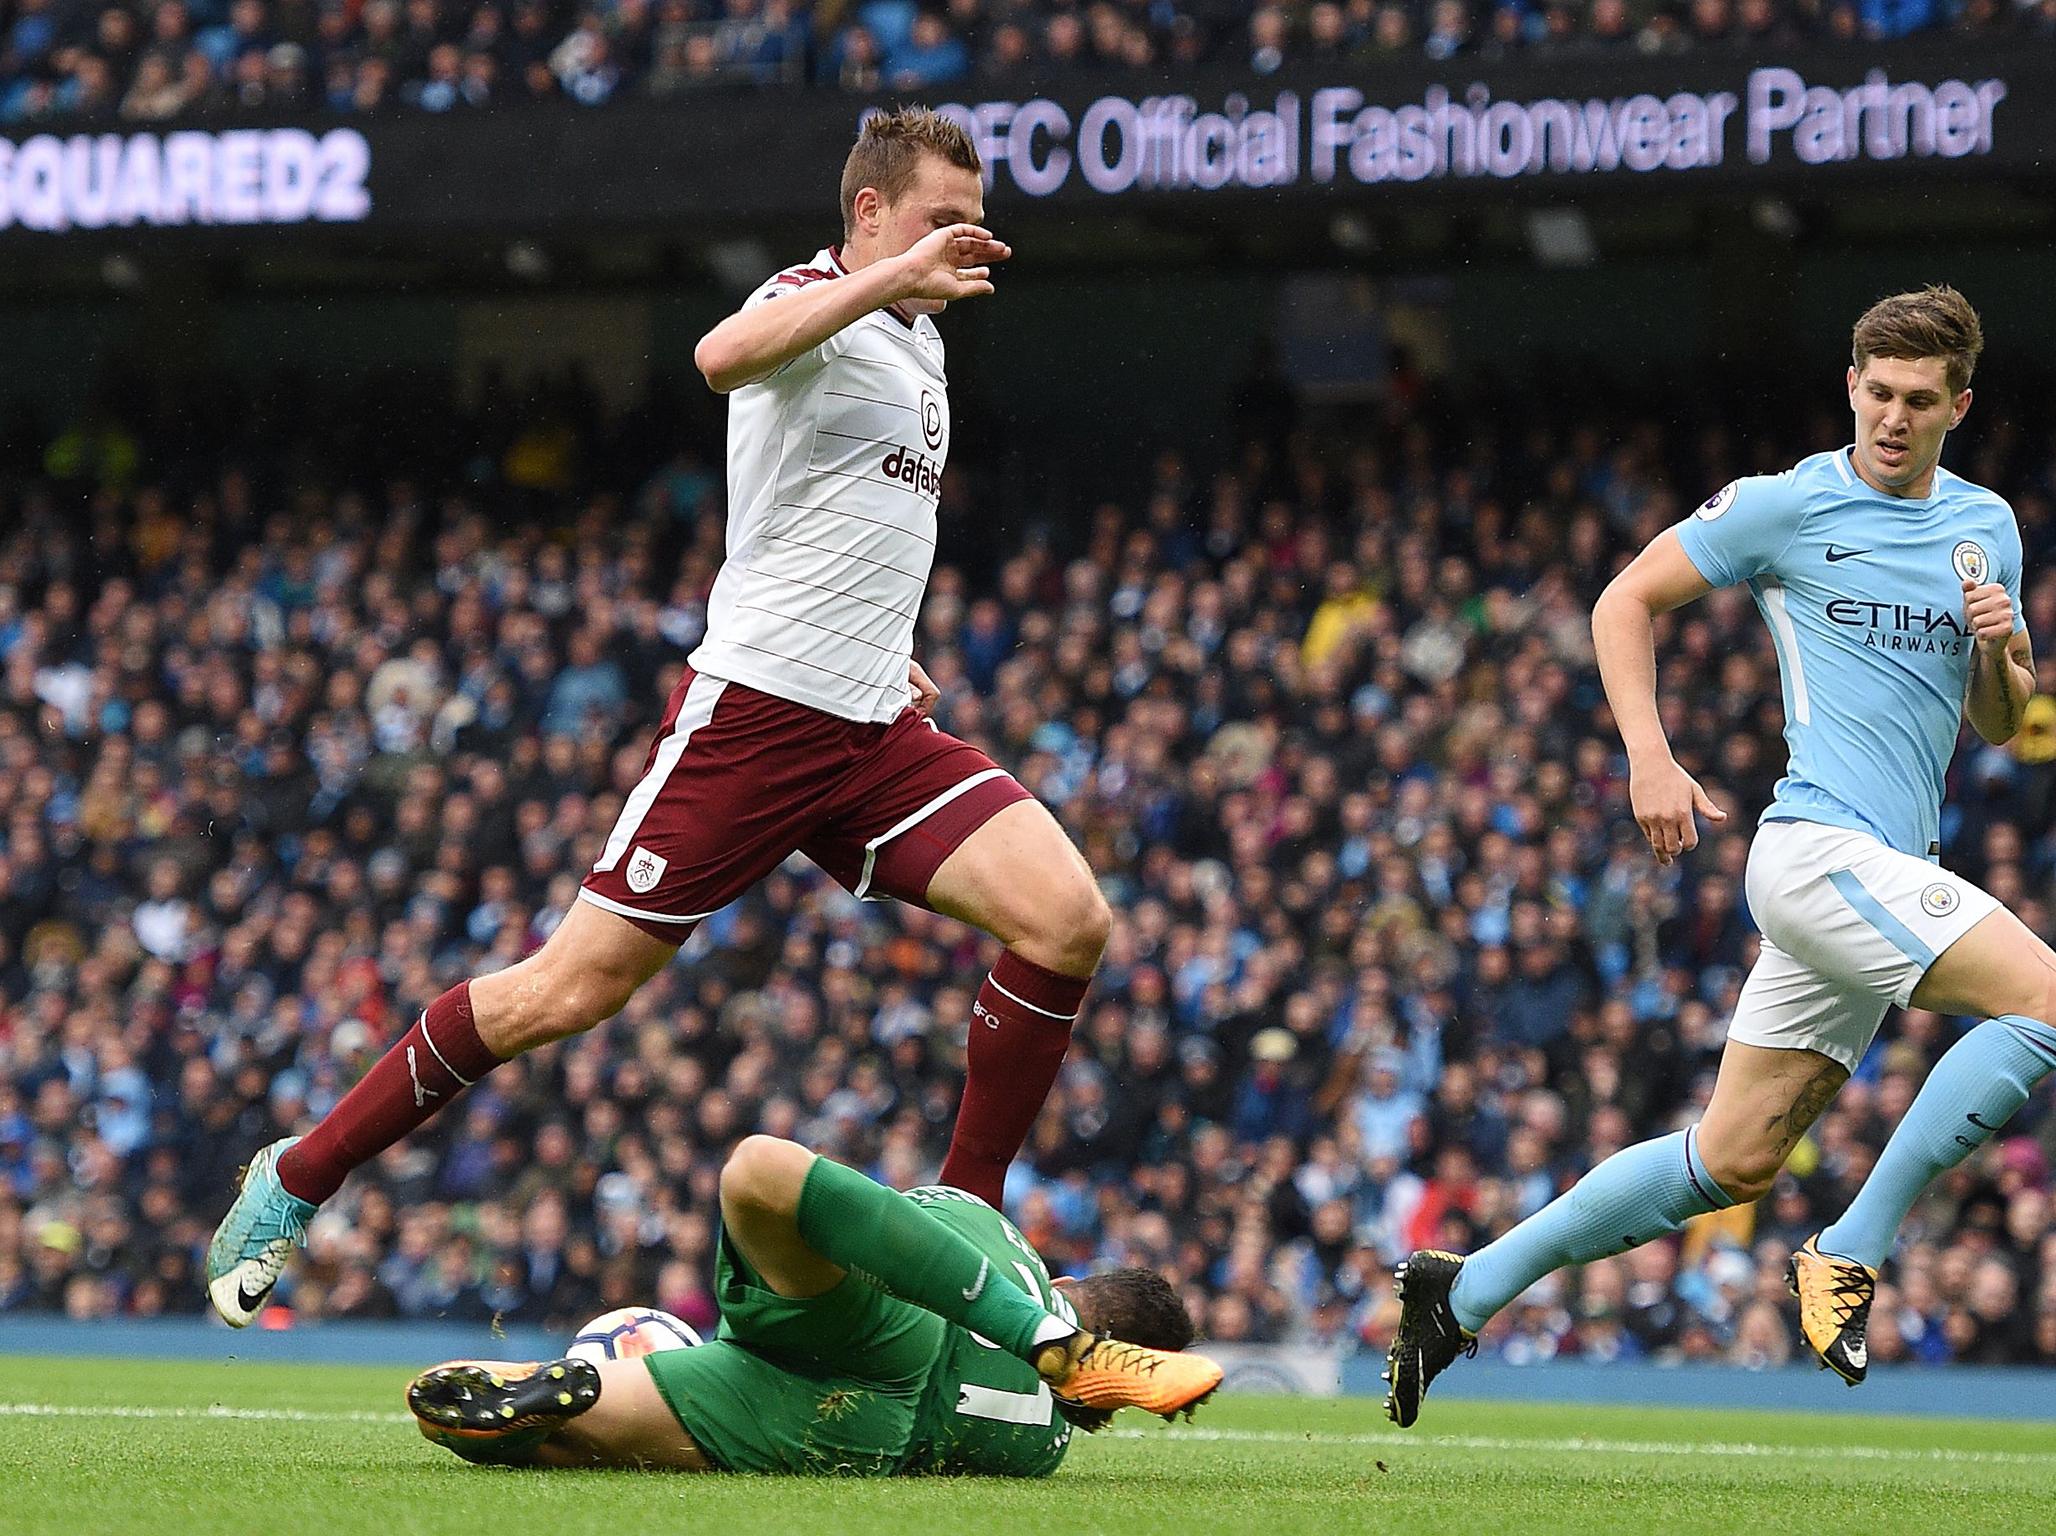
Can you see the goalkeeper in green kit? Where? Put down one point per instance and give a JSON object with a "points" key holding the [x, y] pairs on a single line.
{"points": [[863, 1332]]}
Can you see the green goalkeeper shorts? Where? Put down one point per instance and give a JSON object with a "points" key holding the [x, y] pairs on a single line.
{"points": [[824, 1384]]}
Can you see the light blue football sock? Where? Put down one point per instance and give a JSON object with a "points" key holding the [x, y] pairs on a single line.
{"points": [[1639, 1194], [1975, 1088]]}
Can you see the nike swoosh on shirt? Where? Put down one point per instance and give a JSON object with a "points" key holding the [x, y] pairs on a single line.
{"points": [[1836, 556]]}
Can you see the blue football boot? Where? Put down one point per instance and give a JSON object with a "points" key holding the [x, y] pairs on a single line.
{"points": [[255, 1239]]}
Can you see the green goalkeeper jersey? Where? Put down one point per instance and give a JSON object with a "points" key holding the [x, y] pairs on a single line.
{"points": [[857, 1382], [984, 1410]]}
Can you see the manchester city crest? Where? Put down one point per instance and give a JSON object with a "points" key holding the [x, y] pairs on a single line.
{"points": [[1938, 900], [1971, 563]]}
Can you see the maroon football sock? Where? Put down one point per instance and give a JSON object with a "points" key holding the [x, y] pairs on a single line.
{"points": [[437, 1059], [1020, 1030]]}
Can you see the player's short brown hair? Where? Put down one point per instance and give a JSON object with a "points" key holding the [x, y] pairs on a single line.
{"points": [[1137, 1306], [888, 152], [1935, 321]]}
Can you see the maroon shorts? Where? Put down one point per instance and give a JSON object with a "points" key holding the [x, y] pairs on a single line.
{"points": [[738, 780]]}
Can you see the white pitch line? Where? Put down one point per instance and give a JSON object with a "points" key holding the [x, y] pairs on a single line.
{"points": [[1593, 1445], [1580, 1445], [261, 1415]]}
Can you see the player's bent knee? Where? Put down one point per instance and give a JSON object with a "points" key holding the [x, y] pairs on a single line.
{"points": [[1744, 1175], [1073, 932], [603, 994], [558, 1010], [572, 995], [582, 976], [765, 1173]]}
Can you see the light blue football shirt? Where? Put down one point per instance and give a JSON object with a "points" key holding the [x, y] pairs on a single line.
{"points": [[1863, 594]]}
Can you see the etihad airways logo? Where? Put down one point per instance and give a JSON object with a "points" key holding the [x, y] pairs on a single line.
{"points": [[1901, 626]]}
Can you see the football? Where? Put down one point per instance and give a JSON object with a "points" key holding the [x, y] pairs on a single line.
{"points": [[629, 1332]]}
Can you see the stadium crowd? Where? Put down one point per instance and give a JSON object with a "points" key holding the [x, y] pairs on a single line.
{"points": [[95, 62], [280, 758]]}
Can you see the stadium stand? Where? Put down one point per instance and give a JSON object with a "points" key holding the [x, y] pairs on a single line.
{"points": [[285, 750], [81, 63]]}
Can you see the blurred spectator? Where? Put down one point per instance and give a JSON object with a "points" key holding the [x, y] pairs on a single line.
{"points": [[389, 52], [932, 55]]}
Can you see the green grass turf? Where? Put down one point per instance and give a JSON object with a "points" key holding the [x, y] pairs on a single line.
{"points": [[323, 1449]]}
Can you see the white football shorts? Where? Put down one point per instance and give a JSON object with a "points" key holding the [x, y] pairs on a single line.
{"points": [[1849, 928]]}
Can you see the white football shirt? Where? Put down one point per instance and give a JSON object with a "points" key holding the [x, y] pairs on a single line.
{"points": [[834, 467]]}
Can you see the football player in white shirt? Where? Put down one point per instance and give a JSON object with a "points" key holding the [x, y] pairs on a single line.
{"points": [[801, 724]]}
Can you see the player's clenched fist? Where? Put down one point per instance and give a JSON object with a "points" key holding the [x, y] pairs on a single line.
{"points": [[1990, 612], [1664, 799], [952, 263]]}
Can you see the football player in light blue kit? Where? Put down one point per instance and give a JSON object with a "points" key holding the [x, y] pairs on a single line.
{"points": [[1891, 588]]}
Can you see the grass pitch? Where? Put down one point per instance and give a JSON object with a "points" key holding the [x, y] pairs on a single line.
{"points": [[101, 1446]]}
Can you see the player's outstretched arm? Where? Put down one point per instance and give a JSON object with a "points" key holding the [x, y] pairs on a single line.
{"points": [[952, 263], [1663, 795], [2002, 673]]}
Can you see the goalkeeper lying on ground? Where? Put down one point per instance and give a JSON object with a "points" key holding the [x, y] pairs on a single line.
{"points": [[862, 1332]]}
